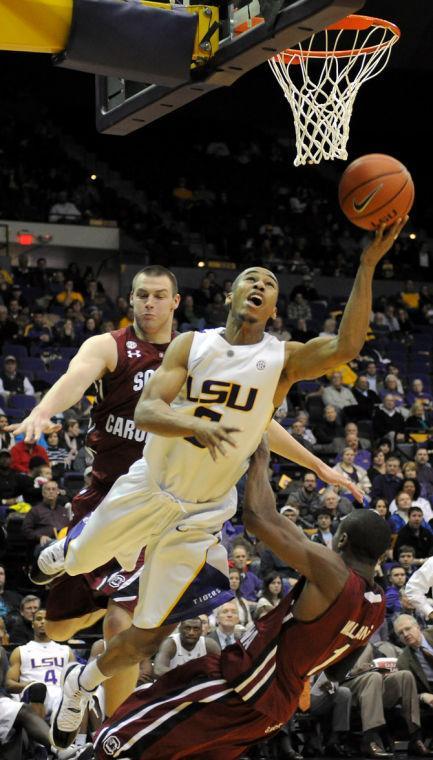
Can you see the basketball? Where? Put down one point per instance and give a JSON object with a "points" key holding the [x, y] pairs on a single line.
{"points": [[375, 189]]}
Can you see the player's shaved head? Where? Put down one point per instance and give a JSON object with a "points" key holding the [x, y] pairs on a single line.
{"points": [[368, 535], [262, 271]]}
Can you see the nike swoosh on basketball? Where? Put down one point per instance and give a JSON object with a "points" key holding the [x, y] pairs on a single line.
{"points": [[360, 206]]}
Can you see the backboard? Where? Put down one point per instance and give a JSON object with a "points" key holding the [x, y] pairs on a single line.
{"points": [[123, 106]]}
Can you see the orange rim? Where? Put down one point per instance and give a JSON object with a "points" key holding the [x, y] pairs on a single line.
{"points": [[354, 23]]}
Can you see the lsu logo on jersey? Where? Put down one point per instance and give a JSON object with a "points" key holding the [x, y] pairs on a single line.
{"points": [[229, 394]]}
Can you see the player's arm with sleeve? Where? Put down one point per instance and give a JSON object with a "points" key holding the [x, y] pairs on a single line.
{"points": [[154, 414], [13, 683], [418, 587], [163, 657], [309, 360], [323, 568], [97, 355], [283, 444]]}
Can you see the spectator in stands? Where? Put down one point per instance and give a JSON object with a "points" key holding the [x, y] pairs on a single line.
{"points": [[299, 308], [271, 595], [410, 295], [278, 329], [9, 600], [14, 486], [21, 632], [299, 433], [390, 387], [45, 520], [325, 530], [89, 328], [387, 419], [73, 437], [354, 472], [372, 377], [227, 619], [406, 558], [301, 332], [409, 469], [417, 393], [381, 506], [22, 273], [307, 289], [12, 381], [270, 562], [374, 691], [412, 487], [9, 329], [388, 485], [365, 398], [397, 579], [307, 499], [63, 210], [414, 533], [216, 312], [6, 439], [391, 319], [419, 420], [417, 655], [38, 332], [67, 296], [242, 605], [378, 466], [57, 454], [64, 334], [424, 472], [336, 505], [23, 452], [329, 429], [250, 583], [189, 318], [338, 394]]}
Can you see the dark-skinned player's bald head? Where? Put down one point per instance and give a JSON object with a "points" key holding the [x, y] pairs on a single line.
{"points": [[368, 535]]}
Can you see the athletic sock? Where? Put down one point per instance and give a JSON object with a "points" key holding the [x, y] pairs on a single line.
{"points": [[91, 676]]}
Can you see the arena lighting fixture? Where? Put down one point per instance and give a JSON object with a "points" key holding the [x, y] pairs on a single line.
{"points": [[412, 236], [201, 264], [93, 177]]}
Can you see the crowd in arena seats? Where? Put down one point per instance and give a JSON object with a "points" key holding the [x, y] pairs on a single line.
{"points": [[371, 420], [227, 199]]}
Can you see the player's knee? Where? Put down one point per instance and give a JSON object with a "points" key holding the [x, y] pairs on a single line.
{"points": [[116, 620], [59, 630]]}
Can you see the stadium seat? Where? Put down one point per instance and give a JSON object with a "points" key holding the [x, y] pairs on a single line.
{"points": [[14, 349], [59, 365], [20, 401]]}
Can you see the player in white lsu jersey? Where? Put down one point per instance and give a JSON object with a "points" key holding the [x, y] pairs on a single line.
{"points": [[35, 669], [175, 500]]}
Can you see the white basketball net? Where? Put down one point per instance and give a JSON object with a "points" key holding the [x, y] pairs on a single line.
{"points": [[321, 89]]}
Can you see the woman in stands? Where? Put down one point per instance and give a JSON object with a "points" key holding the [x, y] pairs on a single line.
{"points": [[353, 471], [271, 596], [377, 466], [412, 487], [244, 613]]}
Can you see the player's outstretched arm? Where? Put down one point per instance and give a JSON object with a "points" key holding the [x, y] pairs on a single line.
{"points": [[283, 444], [322, 567], [418, 586], [163, 657], [154, 414], [317, 356], [94, 358]]}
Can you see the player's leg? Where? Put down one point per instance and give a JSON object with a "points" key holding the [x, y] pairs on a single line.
{"points": [[63, 630], [182, 559], [118, 688]]}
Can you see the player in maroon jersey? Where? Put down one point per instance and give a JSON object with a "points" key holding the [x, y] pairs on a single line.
{"points": [[118, 364], [216, 706]]}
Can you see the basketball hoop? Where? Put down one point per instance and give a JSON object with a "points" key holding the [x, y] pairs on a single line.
{"points": [[322, 79]]}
